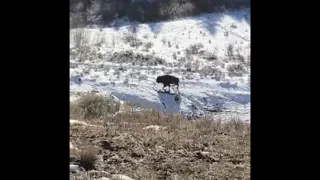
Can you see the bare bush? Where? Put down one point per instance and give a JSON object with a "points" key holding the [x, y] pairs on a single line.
{"points": [[132, 40], [210, 56], [226, 34], [193, 49], [163, 40], [148, 45], [131, 57], [169, 64], [240, 58], [207, 70], [230, 50], [154, 71], [117, 72], [188, 66], [233, 26], [174, 56], [126, 81], [175, 10], [83, 53], [122, 68], [190, 76], [143, 77], [182, 61], [235, 70]]}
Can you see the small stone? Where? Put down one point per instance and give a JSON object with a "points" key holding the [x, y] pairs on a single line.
{"points": [[72, 147], [74, 168], [240, 166], [154, 127], [104, 178], [206, 155], [121, 177], [106, 145]]}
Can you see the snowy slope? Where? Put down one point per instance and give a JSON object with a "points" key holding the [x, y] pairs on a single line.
{"points": [[136, 83]]}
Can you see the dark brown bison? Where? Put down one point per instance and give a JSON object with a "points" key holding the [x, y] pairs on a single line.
{"points": [[166, 80]]}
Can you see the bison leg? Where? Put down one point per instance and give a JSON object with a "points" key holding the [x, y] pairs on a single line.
{"points": [[178, 88], [163, 88], [165, 85]]}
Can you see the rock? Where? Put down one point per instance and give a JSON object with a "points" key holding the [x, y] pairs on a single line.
{"points": [[154, 127], [104, 178], [240, 166], [202, 154], [76, 79], [112, 160], [78, 122], [74, 168], [121, 177], [72, 121], [206, 155], [72, 147], [106, 145]]}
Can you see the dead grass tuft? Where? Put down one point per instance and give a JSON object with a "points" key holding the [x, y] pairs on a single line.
{"points": [[88, 157], [93, 106]]}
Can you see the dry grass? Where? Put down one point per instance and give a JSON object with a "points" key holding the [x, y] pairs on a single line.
{"points": [[92, 106], [132, 40], [193, 49], [172, 148], [236, 70]]}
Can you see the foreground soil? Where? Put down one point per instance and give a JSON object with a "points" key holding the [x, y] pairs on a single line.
{"points": [[150, 145]]}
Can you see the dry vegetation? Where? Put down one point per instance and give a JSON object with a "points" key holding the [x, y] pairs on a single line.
{"points": [[91, 106], [136, 58], [153, 145]]}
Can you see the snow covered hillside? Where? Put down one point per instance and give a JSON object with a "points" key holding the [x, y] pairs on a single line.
{"points": [[209, 53]]}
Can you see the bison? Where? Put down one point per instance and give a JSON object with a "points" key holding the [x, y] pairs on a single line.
{"points": [[166, 80]]}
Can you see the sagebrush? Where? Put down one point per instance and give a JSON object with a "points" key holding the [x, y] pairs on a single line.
{"points": [[93, 106]]}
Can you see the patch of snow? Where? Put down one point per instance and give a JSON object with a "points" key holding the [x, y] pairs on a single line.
{"points": [[229, 93]]}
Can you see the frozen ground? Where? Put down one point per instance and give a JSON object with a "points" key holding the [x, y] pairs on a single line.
{"points": [[136, 82]]}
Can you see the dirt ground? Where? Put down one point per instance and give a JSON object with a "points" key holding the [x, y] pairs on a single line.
{"points": [[151, 145]]}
